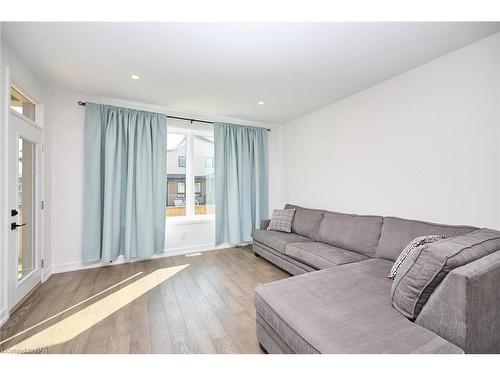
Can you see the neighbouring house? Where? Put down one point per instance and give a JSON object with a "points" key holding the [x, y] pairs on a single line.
{"points": [[204, 177]]}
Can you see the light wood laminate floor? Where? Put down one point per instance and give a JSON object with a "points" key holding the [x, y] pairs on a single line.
{"points": [[180, 304]]}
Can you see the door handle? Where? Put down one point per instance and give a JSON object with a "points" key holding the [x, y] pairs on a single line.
{"points": [[14, 226]]}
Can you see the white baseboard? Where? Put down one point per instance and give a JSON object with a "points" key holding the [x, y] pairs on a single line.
{"points": [[47, 272], [193, 249], [75, 266], [4, 316]]}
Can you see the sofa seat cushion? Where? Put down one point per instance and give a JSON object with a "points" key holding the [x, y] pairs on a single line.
{"points": [[290, 265], [277, 240], [344, 309], [320, 255]]}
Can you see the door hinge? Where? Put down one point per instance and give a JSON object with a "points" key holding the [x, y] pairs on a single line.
{"points": [[43, 263], [42, 205]]}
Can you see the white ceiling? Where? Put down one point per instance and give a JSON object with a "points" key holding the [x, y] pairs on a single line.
{"points": [[225, 69]]}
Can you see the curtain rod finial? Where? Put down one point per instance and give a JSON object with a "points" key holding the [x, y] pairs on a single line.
{"points": [[81, 103]]}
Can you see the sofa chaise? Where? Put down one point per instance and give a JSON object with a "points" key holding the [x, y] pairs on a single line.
{"points": [[340, 299]]}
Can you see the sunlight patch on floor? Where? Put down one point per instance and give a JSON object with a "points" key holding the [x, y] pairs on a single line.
{"points": [[2, 343], [80, 321]]}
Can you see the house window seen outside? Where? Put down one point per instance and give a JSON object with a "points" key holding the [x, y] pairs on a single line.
{"points": [[176, 174], [190, 173]]}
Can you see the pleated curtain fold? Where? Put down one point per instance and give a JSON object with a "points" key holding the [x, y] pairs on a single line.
{"points": [[241, 181], [125, 183]]}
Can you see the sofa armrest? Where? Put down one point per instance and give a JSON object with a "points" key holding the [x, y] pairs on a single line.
{"points": [[264, 223], [465, 308]]}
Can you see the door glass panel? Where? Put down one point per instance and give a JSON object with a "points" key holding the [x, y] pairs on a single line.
{"points": [[21, 104], [176, 174], [26, 208], [204, 177]]}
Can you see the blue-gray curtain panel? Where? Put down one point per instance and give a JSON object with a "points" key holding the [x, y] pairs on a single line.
{"points": [[125, 183], [241, 181]]}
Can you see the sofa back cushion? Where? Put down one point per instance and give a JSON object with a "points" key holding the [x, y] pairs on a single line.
{"points": [[397, 234], [306, 221], [427, 266], [352, 232]]}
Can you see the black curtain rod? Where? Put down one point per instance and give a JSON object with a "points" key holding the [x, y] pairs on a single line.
{"points": [[177, 118]]}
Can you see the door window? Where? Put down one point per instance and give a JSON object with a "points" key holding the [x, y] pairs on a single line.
{"points": [[25, 208]]}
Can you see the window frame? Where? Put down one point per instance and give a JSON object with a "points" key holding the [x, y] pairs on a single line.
{"points": [[196, 184], [38, 123], [182, 157], [181, 194], [211, 159]]}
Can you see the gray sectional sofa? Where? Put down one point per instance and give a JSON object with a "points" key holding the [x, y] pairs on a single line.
{"points": [[340, 300]]}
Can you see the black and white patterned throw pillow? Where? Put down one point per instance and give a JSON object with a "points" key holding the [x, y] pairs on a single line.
{"points": [[419, 241], [281, 220]]}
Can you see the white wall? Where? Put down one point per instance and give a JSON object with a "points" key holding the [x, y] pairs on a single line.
{"points": [[65, 139], [422, 145], [277, 176]]}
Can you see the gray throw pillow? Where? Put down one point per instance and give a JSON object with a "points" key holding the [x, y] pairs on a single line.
{"points": [[426, 266], [281, 220], [419, 241]]}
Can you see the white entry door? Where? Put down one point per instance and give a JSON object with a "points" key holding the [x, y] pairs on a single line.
{"points": [[24, 168]]}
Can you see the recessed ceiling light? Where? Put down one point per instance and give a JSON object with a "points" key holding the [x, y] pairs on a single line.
{"points": [[134, 76], [260, 103]]}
